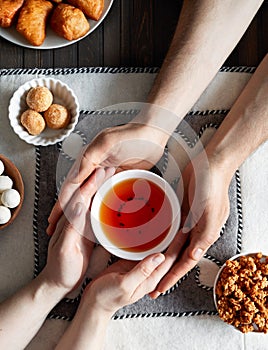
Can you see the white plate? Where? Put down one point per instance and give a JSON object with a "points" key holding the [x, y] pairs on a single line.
{"points": [[62, 94], [52, 41]]}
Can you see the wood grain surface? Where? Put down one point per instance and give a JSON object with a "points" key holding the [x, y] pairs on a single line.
{"points": [[134, 33]]}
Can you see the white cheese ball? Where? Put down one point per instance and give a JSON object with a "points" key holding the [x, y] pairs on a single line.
{"points": [[5, 183], [10, 198], [5, 215], [2, 167]]}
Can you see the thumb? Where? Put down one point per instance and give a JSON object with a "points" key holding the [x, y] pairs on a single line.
{"points": [[143, 270]]}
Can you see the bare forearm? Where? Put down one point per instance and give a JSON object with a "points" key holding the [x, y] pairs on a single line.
{"points": [[23, 314], [87, 330], [246, 125], [207, 32]]}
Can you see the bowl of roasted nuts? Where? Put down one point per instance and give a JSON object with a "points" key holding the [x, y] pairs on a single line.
{"points": [[43, 111], [241, 292], [11, 191]]}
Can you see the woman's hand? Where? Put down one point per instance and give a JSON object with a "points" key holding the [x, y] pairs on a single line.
{"points": [[71, 245], [123, 283], [132, 145]]}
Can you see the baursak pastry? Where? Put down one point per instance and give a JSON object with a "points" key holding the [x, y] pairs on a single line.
{"points": [[8, 11], [33, 122], [69, 22], [10, 198], [5, 214], [91, 8], [39, 98], [57, 116], [32, 20]]}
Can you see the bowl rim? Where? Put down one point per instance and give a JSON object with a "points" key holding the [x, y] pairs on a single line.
{"points": [[121, 176], [15, 211], [38, 140]]}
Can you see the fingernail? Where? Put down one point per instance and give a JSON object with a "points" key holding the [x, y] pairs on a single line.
{"points": [[100, 174], [49, 230], [185, 229], [110, 171], [198, 253], [78, 209], [156, 294], [158, 259], [187, 225]]}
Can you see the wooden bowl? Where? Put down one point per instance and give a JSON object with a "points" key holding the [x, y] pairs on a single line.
{"points": [[12, 171]]}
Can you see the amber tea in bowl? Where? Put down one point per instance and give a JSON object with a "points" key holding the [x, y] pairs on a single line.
{"points": [[135, 213]]}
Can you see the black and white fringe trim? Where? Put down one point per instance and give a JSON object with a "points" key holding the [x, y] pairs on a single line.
{"points": [[110, 70], [239, 211], [166, 314], [81, 70], [35, 213]]}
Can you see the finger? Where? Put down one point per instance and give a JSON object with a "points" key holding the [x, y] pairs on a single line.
{"points": [[184, 265], [182, 191], [200, 242], [85, 193], [66, 193], [82, 168], [120, 266], [58, 230], [142, 271], [171, 256], [68, 228]]}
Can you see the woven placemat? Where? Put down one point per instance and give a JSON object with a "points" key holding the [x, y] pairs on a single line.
{"points": [[190, 296]]}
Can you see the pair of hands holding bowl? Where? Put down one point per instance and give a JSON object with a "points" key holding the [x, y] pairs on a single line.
{"points": [[121, 147], [70, 249]]}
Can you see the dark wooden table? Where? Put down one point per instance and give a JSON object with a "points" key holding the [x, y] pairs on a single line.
{"points": [[135, 33]]}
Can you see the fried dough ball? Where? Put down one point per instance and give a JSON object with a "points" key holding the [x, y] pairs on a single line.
{"points": [[69, 22], [57, 116], [33, 122], [39, 98]]}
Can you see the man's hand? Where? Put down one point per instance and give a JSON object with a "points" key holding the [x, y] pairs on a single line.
{"points": [[129, 146], [205, 209]]}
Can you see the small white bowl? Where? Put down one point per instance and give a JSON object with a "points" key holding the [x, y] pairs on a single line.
{"points": [[98, 227], [62, 94]]}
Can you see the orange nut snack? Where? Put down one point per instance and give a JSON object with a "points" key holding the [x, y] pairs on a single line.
{"points": [[32, 20], [33, 122], [57, 116], [69, 22], [39, 98], [8, 11], [91, 8], [242, 291]]}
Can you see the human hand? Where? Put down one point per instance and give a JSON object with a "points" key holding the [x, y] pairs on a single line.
{"points": [[123, 283], [71, 245], [133, 145], [205, 209]]}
